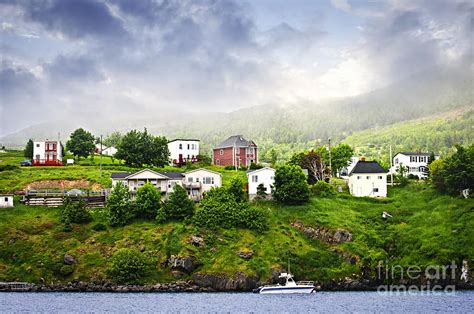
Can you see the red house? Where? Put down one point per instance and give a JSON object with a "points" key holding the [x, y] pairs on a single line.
{"points": [[235, 151]]}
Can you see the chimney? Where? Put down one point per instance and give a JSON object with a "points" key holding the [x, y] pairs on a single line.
{"points": [[362, 158]]}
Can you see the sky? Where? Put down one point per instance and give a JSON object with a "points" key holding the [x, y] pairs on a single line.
{"points": [[126, 59]]}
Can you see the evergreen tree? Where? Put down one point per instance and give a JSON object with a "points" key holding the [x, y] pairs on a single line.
{"points": [[290, 185], [261, 192], [28, 151]]}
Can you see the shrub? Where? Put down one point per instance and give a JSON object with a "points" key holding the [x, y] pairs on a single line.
{"points": [[323, 189], [254, 166], [120, 208], [148, 201], [229, 167], [412, 176], [261, 192], [236, 188], [290, 185], [177, 206], [66, 270], [129, 266], [99, 227], [75, 211], [243, 168]]}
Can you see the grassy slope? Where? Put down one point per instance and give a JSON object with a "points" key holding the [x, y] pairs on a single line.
{"points": [[426, 228], [437, 133]]}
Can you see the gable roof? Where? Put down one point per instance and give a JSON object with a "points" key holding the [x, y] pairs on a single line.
{"points": [[174, 175], [120, 175], [184, 139], [204, 169], [237, 141], [363, 166], [413, 154], [257, 170]]}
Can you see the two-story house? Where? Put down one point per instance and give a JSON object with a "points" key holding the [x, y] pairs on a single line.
{"points": [[235, 151], [368, 178], [414, 163], [183, 151], [47, 153]]}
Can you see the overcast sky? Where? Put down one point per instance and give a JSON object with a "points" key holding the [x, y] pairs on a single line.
{"points": [[65, 59]]}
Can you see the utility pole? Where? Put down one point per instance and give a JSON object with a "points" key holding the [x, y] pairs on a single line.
{"points": [[330, 164], [391, 166], [100, 174]]}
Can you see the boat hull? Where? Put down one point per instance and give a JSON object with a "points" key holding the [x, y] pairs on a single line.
{"points": [[285, 290]]}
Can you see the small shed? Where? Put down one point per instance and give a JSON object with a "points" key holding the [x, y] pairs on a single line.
{"points": [[6, 201]]}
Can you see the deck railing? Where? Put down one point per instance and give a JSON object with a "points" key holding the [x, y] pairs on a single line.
{"points": [[47, 162]]}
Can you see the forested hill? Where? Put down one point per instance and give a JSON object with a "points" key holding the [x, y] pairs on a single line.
{"points": [[298, 126]]}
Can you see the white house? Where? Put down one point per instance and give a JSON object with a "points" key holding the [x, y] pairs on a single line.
{"points": [[183, 150], [368, 178], [265, 176], [199, 181], [107, 151], [415, 163], [6, 201], [47, 153], [346, 170], [196, 182]]}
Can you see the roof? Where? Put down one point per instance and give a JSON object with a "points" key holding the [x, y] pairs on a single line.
{"points": [[237, 141], [363, 166], [184, 139], [204, 170], [413, 154], [170, 174], [257, 170]]}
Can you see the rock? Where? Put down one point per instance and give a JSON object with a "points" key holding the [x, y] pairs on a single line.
{"points": [[222, 282], [69, 259], [349, 258], [196, 241], [186, 264], [326, 235], [142, 248], [12, 240], [29, 269], [245, 255]]}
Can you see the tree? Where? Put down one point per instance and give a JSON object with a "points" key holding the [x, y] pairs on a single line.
{"points": [[139, 148], [204, 160], [236, 188], [129, 266], [400, 176], [459, 170], [317, 168], [28, 151], [261, 192], [323, 189], [120, 208], [290, 185], [296, 159], [75, 211], [81, 143], [340, 157], [113, 140], [148, 201], [437, 175], [273, 157], [178, 205]]}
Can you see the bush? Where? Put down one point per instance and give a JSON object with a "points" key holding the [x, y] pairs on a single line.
{"points": [[229, 167], [99, 227], [323, 189], [66, 270], [290, 185], [177, 206], [219, 208], [236, 188], [119, 207], [412, 176], [254, 166], [75, 211], [129, 266], [243, 168], [261, 192], [148, 201]]}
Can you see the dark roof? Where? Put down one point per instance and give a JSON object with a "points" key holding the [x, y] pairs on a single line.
{"points": [[120, 175], [183, 139], [413, 154], [237, 141], [173, 174], [367, 167]]}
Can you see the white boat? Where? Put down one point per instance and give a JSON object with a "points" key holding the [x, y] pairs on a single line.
{"points": [[289, 287]]}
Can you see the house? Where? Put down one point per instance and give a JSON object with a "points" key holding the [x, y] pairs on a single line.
{"points": [[196, 182], [183, 150], [265, 176], [235, 151], [107, 151], [199, 181], [415, 163], [368, 178], [351, 164], [6, 200], [47, 153]]}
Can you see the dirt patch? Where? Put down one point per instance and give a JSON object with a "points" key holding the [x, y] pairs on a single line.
{"points": [[68, 185]]}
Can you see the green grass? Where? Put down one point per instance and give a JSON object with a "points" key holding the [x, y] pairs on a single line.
{"points": [[426, 228]]}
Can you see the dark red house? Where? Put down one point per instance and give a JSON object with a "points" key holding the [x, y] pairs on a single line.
{"points": [[235, 151]]}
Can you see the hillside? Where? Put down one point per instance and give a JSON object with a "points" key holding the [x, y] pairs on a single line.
{"points": [[426, 229], [438, 133]]}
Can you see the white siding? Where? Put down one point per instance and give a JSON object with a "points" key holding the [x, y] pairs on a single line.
{"points": [[257, 177], [368, 184], [181, 147], [206, 178], [6, 201]]}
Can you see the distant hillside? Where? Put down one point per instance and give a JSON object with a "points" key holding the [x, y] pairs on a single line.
{"points": [[294, 126], [438, 133]]}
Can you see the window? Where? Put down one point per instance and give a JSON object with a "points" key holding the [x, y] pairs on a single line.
{"points": [[396, 161], [190, 179], [37, 145], [359, 177], [221, 152], [197, 179], [6, 199], [255, 178], [376, 190], [188, 146], [218, 162], [180, 146], [368, 177], [208, 180], [380, 177]]}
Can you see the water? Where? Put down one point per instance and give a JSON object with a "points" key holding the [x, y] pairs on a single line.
{"points": [[329, 302]]}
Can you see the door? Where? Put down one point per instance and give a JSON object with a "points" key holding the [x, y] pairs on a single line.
{"points": [[359, 191], [180, 158]]}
